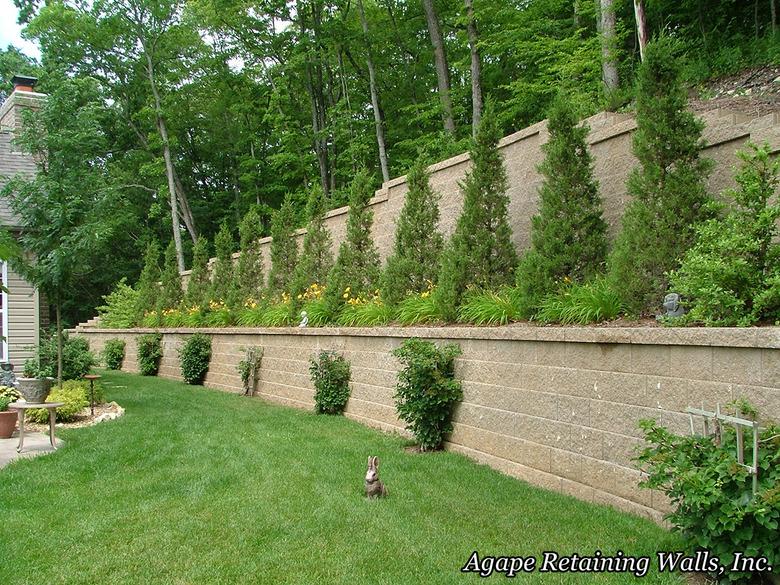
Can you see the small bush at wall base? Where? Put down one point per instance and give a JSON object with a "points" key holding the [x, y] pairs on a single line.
{"points": [[149, 353], [77, 360], [427, 390], [114, 354], [330, 374], [195, 356]]}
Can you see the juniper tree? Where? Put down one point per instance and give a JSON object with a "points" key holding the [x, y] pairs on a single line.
{"points": [[569, 235], [667, 188], [414, 261], [249, 279], [316, 256], [222, 280], [170, 280], [199, 285], [284, 248], [148, 282], [480, 252], [357, 264]]}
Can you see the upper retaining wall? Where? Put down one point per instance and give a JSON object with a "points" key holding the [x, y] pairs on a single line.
{"points": [[555, 406], [610, 143]]}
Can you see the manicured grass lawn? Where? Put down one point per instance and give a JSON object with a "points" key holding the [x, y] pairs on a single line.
{"points": [[198, 486]]}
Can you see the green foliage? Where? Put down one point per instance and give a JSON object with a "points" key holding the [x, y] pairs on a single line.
{"points": [[77, 360], [149, 353], [370, 313], [194, 357], [712, 495], [4, 402], [427, 390], [278, 314], [120, 309], [569, 235], [114, 353], [249, 272], [316, 256], [317, 312], [148, 287], [284, 248], [222, 282], [199, 285], [10, 393], [420, 309], [668, 188], [413, 265], [580, 304], [330, 374], [492, 308], [480, 252], [731, 276], [170, 290], [74, 394], [357, 264]]}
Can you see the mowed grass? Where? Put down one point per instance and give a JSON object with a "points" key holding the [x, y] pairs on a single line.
{"points": [[198, 486]]}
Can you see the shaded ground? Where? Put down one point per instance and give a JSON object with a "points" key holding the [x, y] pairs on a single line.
{"points": [[753, 91]]}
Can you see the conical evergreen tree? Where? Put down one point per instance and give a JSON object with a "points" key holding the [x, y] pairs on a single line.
{"points": [[199, 285], [357, 264], [668, 187], [480, 252], [148, 283], [170, 280], [250, 278], [316, 256], [222, 282], [284, 248], [414, 262], [569, 235]]}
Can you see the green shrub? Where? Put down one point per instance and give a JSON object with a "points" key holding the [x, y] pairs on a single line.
{"points": [[77, 360], [11, 393], [249, 270], [171, 294], [427, 391], [222, 281], [148, 286], [316, 253], [4, 402], [149, 353], [199, 284], [581, 304], [492, 308], [419, 309], [714, 504], [114, 353], [195, 356], [732, 274], [75, 398], [330, 374], [120, 309], [370, 313], [284, 247]]}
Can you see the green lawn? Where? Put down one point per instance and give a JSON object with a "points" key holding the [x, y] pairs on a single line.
{"points": [[198, 486]]}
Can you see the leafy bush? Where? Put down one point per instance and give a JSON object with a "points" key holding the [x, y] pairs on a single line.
{"points": [[149, 353], [120, 309], [330, 374], [4, 402], [77, 360], [732, 274], [11, 393], [427, 391], [482, 307], [74, 397], [419, 309], [195, 356], [715, 507], [581, 304], [114, 354]]}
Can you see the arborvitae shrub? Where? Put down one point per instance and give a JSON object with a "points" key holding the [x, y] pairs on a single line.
{"points": [[413, 266], [316, 255], [148, 287], [249, 279], [170, 290], [222, 282], [114, 353], [669, 195], [149, 353], [195, 356], [480, 252], [569, 235], [199, 285], [427, 390], [330, 374], [121, 306], [284, 248]]}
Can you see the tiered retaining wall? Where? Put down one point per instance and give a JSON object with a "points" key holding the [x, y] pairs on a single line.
{"points": [[557, 407]]}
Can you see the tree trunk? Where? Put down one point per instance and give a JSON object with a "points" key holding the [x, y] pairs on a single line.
{"points": [[773, 8], [442, 69], [378, 122], [641, 26], [476, 68], [174, 200], [606, 20], [186, 212], [59, 342]]}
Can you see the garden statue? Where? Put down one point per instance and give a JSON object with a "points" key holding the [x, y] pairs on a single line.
{"points": [[7, 377], [374, 487], [304, 320], [672, 306]]}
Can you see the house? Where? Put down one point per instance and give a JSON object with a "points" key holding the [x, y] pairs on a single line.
{"points": [[22, 309]]}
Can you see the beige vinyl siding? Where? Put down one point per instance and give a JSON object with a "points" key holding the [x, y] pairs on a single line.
{"points": [[23, 323]]}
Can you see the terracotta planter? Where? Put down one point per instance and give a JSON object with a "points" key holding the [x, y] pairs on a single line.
{"points": [[7, 423], [34, 389]]}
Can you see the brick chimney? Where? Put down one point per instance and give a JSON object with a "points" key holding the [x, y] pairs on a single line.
{"points": [[24, 83], [23, 96]]}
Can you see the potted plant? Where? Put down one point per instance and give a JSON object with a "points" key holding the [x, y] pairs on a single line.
{"points": [[33, 385], [7, 417]]}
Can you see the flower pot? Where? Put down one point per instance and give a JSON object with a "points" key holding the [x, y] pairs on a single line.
{"points": [[7, 423], [34, 389]]}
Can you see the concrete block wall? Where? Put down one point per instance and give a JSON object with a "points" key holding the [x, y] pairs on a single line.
{"points": [[557, 407]]}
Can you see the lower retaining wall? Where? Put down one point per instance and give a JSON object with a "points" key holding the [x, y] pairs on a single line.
{"points": [[557, 407]]}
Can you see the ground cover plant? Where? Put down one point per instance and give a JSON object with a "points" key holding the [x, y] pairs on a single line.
{"points": [[258, 509]]}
